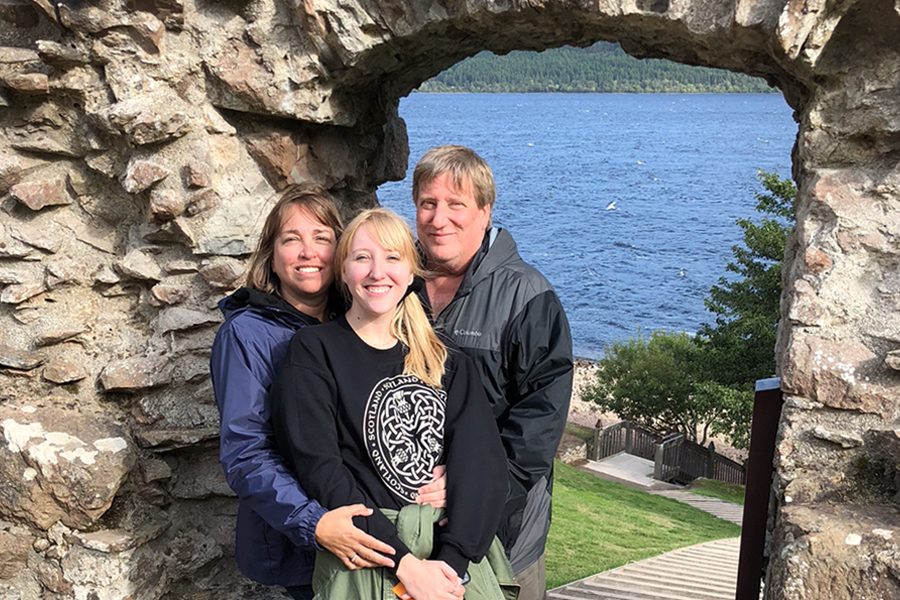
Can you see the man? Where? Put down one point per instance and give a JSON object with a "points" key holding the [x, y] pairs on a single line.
{"points": [[507, 318]]}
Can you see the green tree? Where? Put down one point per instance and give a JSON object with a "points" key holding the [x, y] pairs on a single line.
{"points": [[741, 343], [603, 67], [703, 384], [654, 381]]}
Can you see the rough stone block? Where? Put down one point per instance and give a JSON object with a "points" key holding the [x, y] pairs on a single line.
{"points": [[171, 12], [180, 231], [61, 270], [169, 439], [51, 577], [49, 128], [17, 56], [202, 202], [59, 333], [167, 293], [166, 205], [86, 18], [60, 55], [200, 479], [138, 573], [137, 373], [222, 273], [16, 294], [14, 551], [61, 370], [196, 174], [892, 360], [152, 118], [28, 83], [140, 265], [176, 267], [842, 439], [839, 552], [281, 155], [154, 469], [147, 31], [39, 194], [14, 168], [178, 318], [43, 235], [141, 174], [61, 464], [836, 373], [20, 359]]}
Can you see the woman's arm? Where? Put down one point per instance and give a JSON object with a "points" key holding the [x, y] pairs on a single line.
{"points": [[253, 467], [256, 471]]}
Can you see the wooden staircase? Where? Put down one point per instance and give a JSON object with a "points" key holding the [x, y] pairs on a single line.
{"points": [[706, 571]]}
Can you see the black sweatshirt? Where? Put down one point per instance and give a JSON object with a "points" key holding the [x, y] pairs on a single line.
{"points": [[357, 430]]}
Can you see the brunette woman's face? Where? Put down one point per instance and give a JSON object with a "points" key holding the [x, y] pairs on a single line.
{"points": [[377, 278], [302, 258]]}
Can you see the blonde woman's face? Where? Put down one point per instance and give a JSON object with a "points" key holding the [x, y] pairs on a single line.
{"points": [[303, 258], [377, 278]]}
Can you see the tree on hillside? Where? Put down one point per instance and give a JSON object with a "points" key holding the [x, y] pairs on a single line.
{"points": [[703, 384]]}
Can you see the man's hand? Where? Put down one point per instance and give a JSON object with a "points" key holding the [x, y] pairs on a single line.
{"points": [[435, 493], [357, 549]]}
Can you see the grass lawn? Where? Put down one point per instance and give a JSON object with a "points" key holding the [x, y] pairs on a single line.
{"points": [[730, 492], [585, 433], [599, 525]]}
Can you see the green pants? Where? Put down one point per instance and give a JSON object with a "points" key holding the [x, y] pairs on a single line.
{"points": [[490, 579]]}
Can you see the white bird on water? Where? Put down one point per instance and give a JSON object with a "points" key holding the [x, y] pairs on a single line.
{"points": [[611, 206]]}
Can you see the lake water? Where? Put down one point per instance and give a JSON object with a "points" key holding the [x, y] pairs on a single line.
{"points": [[679, 168]]}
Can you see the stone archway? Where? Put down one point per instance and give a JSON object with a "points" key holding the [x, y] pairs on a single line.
{"points": [[142, 138]]}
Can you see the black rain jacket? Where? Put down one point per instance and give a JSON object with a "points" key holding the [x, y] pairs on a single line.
{"points": [[509, 320]]}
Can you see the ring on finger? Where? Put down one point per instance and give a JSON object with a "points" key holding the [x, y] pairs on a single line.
{"points": [[355, 556]]}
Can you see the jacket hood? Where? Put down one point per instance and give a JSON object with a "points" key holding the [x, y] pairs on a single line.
{"points": [[249, 299], [497, 249]]}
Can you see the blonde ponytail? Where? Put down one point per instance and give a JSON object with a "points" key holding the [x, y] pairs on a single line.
{"points": [[427, 354]]}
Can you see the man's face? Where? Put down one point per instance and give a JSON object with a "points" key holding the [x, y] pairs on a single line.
{"points": [[450, 224]]}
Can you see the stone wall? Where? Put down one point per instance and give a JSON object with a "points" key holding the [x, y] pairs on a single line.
{"points": [[141, 142]]}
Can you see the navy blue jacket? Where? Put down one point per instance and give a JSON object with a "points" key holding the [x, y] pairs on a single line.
{"points": [[276, 521]]}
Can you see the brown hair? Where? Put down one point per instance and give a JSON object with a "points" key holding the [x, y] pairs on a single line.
{"points": [[466, 168], [313, 199], [426, 355]]}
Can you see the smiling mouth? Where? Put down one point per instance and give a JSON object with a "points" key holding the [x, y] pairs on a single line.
{"points": [[378, 289], [309, 269]]}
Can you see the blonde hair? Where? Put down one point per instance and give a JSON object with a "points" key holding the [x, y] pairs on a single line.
{"points": [[466, 169], [426, 353], [311, 198]]}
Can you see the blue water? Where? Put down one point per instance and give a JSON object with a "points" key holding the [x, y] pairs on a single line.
{"points": [[680, 169]]}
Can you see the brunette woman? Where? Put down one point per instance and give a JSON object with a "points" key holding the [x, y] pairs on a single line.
{"points": [[279, 525]]}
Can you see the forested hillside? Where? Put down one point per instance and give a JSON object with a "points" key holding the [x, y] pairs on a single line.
{"points": [[603, 67]]}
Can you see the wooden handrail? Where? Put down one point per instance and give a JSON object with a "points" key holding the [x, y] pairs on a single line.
{"points": [[674, 456]]}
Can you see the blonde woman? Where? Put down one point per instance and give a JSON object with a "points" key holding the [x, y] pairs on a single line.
{"points": [[366, 406]]}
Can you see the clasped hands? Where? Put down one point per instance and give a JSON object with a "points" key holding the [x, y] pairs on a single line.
{"points": [[355, 548]]}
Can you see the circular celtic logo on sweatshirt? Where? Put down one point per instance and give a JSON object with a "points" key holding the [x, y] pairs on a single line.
{"points": [[404, 431]]}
